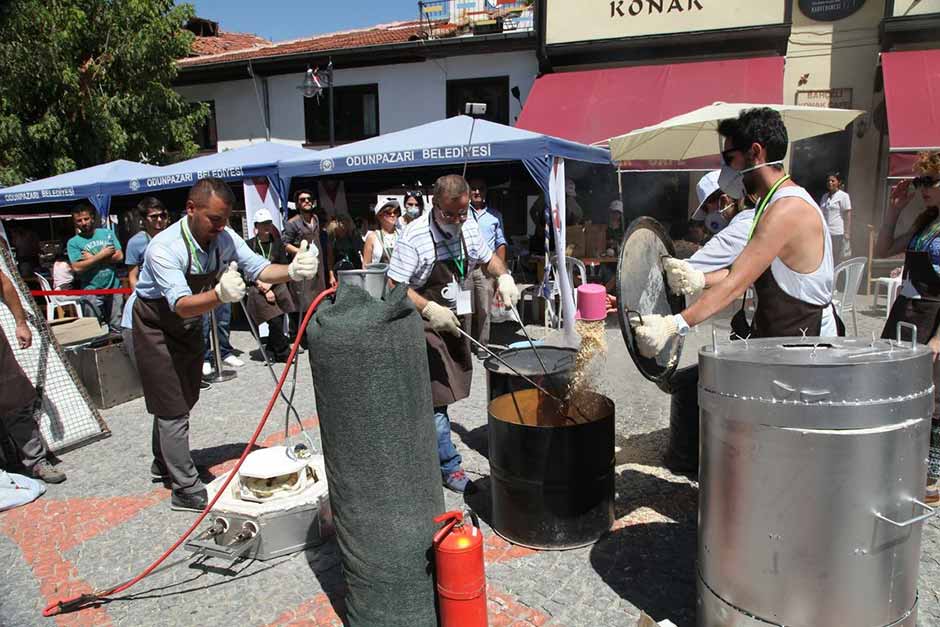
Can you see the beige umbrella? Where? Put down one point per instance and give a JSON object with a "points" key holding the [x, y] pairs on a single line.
{"points": [[695, 134]]}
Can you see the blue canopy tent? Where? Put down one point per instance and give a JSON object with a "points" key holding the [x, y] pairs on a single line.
{"points": [[96, 184], [445, 142], [253, 160]]}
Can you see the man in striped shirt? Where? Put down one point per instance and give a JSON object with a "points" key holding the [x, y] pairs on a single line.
{"points": [[435, 257]]}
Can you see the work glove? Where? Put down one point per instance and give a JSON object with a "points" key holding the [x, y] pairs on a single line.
{"points": [[305, 263], [654, 333], [507, 290], [441, 318], [682, 277], [231, 288]]}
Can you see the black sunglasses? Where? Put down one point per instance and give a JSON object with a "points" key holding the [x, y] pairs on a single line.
{"points": [[925, 182]]}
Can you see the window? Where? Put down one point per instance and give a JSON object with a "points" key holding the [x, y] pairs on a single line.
{"points": [[207, 137], [355, 113], [494, 92]]}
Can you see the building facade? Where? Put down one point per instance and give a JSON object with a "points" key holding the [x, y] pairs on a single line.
{"points": [[828, 54]]}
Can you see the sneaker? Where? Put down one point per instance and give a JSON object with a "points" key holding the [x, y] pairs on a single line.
{"points": [[457, 481], [233, 361], [195, 502], [207, 368], [47, 472], [158, 473], [204, 385]]}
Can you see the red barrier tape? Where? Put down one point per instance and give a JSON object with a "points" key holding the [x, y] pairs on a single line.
{"points": [[117, 290]]}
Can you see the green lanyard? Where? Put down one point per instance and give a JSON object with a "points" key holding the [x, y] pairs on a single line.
{"points": [[922, 239], [192, 247], [459, 258], [764, 202]]}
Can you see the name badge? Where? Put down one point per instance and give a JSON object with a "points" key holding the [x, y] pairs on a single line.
{"points": [[463, 299]]}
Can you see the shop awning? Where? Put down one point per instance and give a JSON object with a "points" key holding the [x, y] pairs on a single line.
{"points": [[912, 96], [592, 105]]}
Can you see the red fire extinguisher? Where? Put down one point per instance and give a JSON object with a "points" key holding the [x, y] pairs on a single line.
{"points": [[461, 578]]}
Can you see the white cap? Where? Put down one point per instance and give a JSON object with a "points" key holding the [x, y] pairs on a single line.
{"points": [[616, 205], [388, 202], [707, 186], [263, 215]]}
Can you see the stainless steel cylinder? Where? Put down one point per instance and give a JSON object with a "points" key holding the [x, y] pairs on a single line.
{"points": [[813, 462]]}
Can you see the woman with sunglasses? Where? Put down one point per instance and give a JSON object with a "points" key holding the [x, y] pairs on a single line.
{"points": [[381, 242], [919, 300]]}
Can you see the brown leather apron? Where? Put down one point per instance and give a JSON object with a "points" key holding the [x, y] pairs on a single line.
{"points": [[259, 308], [169, 349], [449, 359], [18, 390], [304, 292]]}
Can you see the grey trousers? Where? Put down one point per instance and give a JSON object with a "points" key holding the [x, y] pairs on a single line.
{"points": [[24, 430], [483, 289], [170, 444]]}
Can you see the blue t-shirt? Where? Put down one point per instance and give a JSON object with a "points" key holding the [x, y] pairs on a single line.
{"points": [[100, 276], [134, 256]]}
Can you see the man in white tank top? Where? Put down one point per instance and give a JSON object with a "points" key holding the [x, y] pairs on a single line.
{"points": [[788, 257]]}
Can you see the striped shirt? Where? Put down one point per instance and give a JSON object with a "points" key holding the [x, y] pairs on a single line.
{"points": [[418, 248]]}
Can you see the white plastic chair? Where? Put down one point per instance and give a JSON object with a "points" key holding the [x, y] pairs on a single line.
{"points": [[892, 286], [553, 313], [845, 300], [52, 302]]}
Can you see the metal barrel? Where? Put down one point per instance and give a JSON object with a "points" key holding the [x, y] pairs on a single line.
{"points": [[552, 480], [559, 361], [372, 279], [813, 461]]}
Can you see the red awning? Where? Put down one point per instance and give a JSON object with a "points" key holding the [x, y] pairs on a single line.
{"points": [[595, 105], [912, 95]]}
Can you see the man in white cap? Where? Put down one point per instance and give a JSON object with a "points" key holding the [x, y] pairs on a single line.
{"points": [[270, 302]]}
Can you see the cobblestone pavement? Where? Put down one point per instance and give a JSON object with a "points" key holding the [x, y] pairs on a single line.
{"points": [[108, 521]]}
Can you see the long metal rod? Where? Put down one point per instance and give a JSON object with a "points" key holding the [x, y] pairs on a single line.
{"points": [[505, 363], [529, 338], [216, 351]]}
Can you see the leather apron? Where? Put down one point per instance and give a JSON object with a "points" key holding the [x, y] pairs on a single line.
{"points": [[169, 349], [18, 390], [923, 312], [449, 359], [258, 306], [303, 292]]}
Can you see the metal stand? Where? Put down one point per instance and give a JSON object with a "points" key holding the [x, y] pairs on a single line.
{"points": [[218, 375]]}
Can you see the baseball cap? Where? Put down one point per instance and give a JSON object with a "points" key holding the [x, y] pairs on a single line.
{"points": [[707, 186], [390, 202], [263, 215]]}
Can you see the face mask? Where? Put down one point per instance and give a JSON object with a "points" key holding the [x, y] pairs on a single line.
{"points": [[731, 181], [413, 211], [715, 221], [449, 230]]}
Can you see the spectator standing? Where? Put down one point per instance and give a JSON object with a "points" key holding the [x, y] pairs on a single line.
{"points": [[93, 253], [414, 207], [837, 207], [305, 226], [268, 302], [346, 244], [490, 224], [380, 243]]}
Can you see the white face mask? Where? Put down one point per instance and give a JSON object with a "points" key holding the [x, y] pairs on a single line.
{"points": [[731, 181], [448, 229], [413, 211], [715, 221]]}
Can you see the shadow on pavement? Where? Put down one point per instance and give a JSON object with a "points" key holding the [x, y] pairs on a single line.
{"points": [[207, 458], [643, 448], [650, 562], [477, 439], [325, 563]]}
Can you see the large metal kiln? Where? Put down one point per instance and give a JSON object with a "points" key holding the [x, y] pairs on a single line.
{"points": [[813, 461]]}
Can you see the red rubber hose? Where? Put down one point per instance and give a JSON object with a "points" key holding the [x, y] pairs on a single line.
{"points": [[88, 600]]}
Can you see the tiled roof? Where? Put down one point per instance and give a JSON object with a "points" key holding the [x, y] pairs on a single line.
{"points": [[225, 43], [385, 34]]}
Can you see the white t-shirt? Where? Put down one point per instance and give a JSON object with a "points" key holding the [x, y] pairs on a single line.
{"points": [[423, 243], [833, 206], [381, 241]]}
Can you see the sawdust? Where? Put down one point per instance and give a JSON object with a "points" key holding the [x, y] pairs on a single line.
{"points": [[588, 366]]}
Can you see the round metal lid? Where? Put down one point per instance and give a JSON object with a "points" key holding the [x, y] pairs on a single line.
{"points": [[642, 290], [556, 360]]}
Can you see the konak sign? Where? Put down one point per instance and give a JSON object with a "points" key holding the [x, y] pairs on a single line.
{"points": [[569, 21]]}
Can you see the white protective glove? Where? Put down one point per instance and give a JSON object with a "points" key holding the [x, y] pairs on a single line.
{"points": [[507, 290], [682, 277], [442, 319], [654, 333], [305, 263], [231, 288]]}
